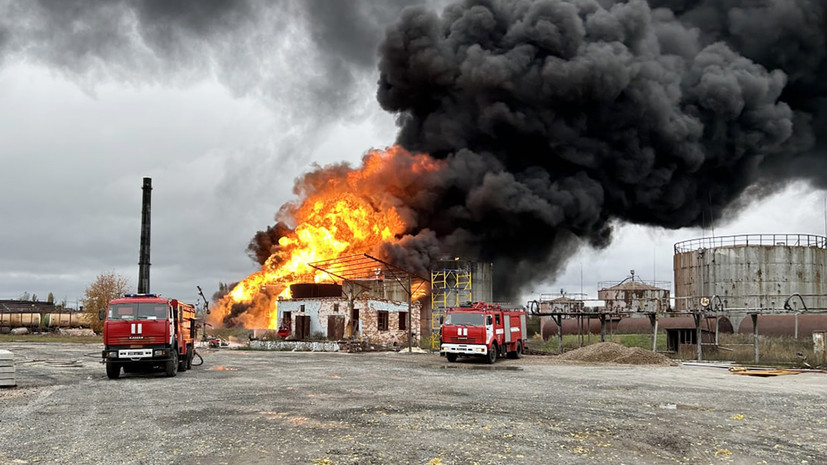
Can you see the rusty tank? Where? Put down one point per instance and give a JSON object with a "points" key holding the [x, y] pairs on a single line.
{"points": [[635, 325], [785, 325], [634, 295], [751, 272]]}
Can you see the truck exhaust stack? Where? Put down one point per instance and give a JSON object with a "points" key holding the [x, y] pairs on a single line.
{"points": [[143, 263]]}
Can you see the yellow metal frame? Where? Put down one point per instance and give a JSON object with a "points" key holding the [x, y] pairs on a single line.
{"points": [[449, 288]]}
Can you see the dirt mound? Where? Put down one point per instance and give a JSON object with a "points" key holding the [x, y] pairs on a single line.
{"points": [[616, 353]]}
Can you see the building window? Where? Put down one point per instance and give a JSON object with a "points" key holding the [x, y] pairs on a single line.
{"points": [[403, 321], [301, 307], [382, 320], [336, 308]]}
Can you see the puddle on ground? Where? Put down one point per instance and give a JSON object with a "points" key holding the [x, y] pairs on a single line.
{"points": [[669, 406]]}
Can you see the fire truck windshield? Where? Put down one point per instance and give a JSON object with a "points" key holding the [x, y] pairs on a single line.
{"points": [[465, 319], [138, 311]]}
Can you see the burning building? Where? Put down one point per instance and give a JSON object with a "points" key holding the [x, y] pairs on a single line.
{"points": [[359, 311]]}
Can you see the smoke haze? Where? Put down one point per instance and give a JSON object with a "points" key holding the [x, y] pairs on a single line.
{"points": [[244, 44]]}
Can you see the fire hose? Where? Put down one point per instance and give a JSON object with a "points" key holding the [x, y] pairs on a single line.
{"points": [[195, 355]]}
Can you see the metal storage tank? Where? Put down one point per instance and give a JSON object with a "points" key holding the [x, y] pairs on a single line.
{"points": [[562, 304], [66, 320], [802, 326], [15, 320], [640, 325], [643, 325], [751, 271], [634, 295], [570, 327]]}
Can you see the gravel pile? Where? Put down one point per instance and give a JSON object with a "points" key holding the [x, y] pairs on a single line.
{"points": [[609, 352]]}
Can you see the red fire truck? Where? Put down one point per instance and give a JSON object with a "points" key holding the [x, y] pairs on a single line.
{"points": [[483, 330], [142, 331]]}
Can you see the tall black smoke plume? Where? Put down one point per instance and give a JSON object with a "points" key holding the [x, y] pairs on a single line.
{"points": [[557, 117], [787, 35]]}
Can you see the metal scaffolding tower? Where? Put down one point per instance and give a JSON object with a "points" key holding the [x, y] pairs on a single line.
{"points": [[450, 287]]}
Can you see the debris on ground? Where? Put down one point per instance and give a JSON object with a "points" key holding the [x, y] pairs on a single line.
{"points": [[609, 352], [75, 332], [762, 372]]}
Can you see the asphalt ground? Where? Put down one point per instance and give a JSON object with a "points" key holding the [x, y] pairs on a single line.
{"points": [[258, 407]]}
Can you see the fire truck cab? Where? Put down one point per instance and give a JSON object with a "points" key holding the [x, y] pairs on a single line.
{"points": [[145, 331], [483, 330]]}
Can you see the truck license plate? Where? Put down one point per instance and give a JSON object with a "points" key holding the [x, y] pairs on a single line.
{"points": [[134, 353]]}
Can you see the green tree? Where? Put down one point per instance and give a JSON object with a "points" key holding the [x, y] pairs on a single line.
{"points": [[107, 286], [25, 296], [50, 298]]}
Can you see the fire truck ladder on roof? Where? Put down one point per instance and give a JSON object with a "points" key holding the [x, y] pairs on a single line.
{"points": [[449, 288]]}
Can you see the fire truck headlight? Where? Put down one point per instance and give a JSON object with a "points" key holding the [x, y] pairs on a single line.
{"points": [[159, 352], [113, 354]]}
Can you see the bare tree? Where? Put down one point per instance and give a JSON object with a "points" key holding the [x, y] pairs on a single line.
{"points": [[107, 286]]}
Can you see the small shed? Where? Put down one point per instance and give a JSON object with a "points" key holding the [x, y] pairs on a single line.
{"points": [[676, 337]]}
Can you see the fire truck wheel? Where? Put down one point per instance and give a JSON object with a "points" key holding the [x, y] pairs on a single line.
{"points": [[519, 353], [492, 354], [451, 357], [113, 370], [171, 367]]}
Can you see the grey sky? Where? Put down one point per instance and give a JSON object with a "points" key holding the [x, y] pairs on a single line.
{"points": [[223, 107]]}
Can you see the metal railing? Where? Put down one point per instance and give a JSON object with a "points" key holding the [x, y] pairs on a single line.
{"points": [[789, 240], [662, 285]]}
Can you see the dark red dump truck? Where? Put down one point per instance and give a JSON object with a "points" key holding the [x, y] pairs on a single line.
{"points": [[483, 330], [142, 331]]}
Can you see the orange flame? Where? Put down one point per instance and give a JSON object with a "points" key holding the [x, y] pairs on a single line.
{"points": [[344, 212]]}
